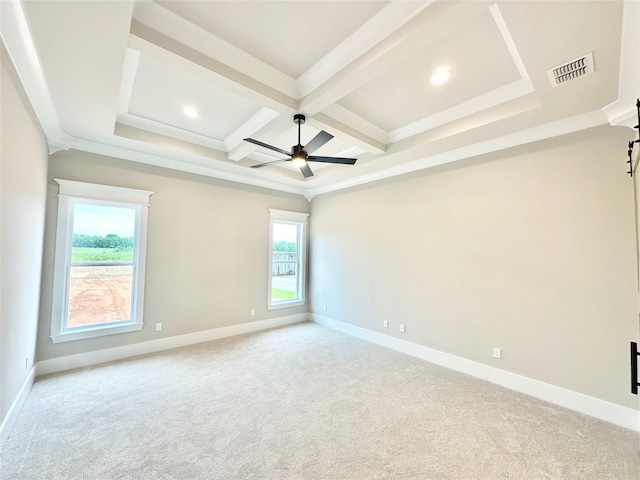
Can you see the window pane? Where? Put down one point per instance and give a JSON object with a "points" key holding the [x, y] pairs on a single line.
{"points": [[99, 294], [284, 281], [100, 286], [102, 234]]}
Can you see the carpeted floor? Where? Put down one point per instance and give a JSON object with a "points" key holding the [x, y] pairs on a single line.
{"points": [[301, 402]]}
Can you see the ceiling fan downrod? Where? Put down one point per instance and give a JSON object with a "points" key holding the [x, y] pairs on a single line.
{"points": [[299, 119]]}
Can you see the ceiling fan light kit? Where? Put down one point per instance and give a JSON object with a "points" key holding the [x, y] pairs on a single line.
{"points": [[299, 155]]}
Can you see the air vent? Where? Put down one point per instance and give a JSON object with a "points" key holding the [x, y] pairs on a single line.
{"points": [[578, 67]]}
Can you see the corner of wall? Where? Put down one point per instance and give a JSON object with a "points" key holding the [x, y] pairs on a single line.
{"points": [[12, 414]]}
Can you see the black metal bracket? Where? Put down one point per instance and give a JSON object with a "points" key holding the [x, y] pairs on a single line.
{"points": [[630, 151], [634, 368]]}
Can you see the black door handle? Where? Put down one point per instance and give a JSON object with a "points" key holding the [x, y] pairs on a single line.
{"points": [[634, 368]]}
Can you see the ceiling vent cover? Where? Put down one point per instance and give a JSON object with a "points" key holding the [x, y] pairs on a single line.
{"points": [[578, 67]]}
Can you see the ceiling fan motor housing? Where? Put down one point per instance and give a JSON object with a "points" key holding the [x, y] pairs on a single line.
{"points": [[298, 150]]}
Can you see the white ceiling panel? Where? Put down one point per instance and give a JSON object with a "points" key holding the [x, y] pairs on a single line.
{"points": [[160, 93], [81, 47], [475, 53], [289, 35], [113, 77]]}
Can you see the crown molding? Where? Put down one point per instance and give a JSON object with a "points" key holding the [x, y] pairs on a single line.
{"points": [[16, 36], [622, 112], [540, 132], [186, 162]]}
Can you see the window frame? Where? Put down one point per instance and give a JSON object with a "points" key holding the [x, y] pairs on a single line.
{"points": [[301, 221], [71, 193]]}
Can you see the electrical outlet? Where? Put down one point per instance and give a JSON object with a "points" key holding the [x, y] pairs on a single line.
{"points": [[386, 324], [253, 312], [26, 363], [497, 353], [402, 328], [158, 327], [325, 308]]}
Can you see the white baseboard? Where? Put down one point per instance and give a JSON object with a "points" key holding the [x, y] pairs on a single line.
{"points": [[16, 406], [601, 409], [69, 362]]}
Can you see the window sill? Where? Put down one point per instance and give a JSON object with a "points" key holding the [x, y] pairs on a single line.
{"points": [[95, 332], [277, 306]]}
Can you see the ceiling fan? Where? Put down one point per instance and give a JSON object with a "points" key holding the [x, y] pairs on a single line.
{"points": [[299, 155]]}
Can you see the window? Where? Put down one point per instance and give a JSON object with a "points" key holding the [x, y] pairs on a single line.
{"points": [[287, 258], [98, 282]]}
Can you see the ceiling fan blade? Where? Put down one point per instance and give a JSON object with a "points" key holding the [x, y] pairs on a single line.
{"points": [[260, 165], [261, 144], [341, 160], [316, 142], [306, 171]]}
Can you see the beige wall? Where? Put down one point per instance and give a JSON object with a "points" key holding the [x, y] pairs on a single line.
{"points": [[207, 256], [530, 252], [23, 180]]}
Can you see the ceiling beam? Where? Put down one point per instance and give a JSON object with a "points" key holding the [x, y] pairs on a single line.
{"points": [[160, 19], [430, 25], [386, 21], [259, 120], [183, 57], [351, 135], [272, 129]]}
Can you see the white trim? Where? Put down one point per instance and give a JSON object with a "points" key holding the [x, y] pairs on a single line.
{"points": [[96, 191], [190, 163], [60, 364], [500, 22], [129, 72], [288, 215], [494, 98], [13, 412], [14, 30], [622, 111], [594, 407], [300, 220], [99, 331], [258, 120], [285, 304], [70, 194], [554, 129], [153, 126]]}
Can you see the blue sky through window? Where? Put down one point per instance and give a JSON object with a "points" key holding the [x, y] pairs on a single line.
{"points": [[102, 221], [285, 232]]}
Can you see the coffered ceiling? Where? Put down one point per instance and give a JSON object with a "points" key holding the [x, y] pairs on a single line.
{"points": [[113, 77]]}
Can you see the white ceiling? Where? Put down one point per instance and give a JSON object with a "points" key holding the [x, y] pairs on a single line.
{"points": [[112, 77]]}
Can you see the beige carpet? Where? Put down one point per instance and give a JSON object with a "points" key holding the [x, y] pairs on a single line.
{"points": [[301, 402]]}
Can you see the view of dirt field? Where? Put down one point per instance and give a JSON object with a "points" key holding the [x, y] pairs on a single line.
{"points": [[99, 294]]}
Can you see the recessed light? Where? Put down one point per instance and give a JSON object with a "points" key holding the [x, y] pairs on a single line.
{"points": [[191, 112], [440, 77]]}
